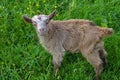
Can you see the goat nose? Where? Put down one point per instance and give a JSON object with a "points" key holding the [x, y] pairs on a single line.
{"points": [[41, 29]]}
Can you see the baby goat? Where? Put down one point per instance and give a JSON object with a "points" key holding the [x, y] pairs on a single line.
{"points": [[74, 35]]}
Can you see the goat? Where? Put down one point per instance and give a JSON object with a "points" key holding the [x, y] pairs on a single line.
{"points": [[75, 35]]}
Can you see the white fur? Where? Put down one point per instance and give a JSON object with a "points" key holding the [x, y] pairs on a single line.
{"points": [[40, 23]]}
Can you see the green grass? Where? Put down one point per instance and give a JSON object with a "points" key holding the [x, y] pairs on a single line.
{"points": [[23, 58]]}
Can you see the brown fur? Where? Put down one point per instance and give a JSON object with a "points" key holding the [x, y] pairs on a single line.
{"points": [[72, 35], [76, 36]]}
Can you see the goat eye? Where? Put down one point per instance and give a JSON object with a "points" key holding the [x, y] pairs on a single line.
{"points": [[34, 23], [39, 18]]}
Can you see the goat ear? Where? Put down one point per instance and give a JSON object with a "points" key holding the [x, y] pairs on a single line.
{"points": [[27, 19], [52, 15]]}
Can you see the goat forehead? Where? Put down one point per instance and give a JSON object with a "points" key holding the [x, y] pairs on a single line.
{"points": [[35, 18], [43, 17], [39, 18]]}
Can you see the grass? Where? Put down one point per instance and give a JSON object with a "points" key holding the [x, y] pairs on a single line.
{"points": [[23, 58]]}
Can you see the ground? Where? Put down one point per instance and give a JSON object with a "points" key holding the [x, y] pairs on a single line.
{"points": [[23, 58]]}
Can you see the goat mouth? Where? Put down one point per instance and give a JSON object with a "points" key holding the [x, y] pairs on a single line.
{"points": [[42, 33]]}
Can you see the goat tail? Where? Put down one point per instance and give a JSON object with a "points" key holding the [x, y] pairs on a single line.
{"points": [[106, 32]]}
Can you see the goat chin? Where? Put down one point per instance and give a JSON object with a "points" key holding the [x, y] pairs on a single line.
{"points": [[41, 33]]}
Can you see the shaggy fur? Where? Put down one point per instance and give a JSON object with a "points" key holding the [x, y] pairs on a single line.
{"points": [[76, 36]]}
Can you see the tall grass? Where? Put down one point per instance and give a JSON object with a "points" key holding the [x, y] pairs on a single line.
{"points": [[21, 56]]}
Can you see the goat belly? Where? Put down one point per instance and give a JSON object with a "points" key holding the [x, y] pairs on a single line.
{"points": [[71, 44]]}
